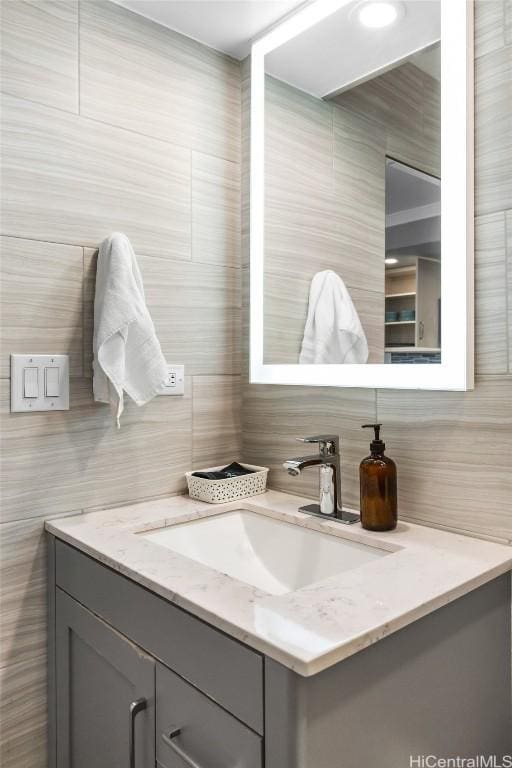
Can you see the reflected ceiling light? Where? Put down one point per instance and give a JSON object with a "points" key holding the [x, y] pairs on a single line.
{"points": [[377, 15], [390, 260]]}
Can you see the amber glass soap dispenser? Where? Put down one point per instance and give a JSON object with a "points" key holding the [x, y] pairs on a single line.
{"points": [[377, 474]]}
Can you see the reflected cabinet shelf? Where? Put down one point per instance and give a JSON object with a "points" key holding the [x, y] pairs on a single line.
{"points": [[413, 300]]}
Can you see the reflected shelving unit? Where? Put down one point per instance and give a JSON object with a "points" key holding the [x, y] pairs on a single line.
{"points": [[413, 293]]}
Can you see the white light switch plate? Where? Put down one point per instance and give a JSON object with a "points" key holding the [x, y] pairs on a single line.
{"points": [[39, 383], [175, 384]]}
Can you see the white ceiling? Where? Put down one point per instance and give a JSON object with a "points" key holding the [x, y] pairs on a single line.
{"points": [[331, 56], [339, 52], [226, 25]]}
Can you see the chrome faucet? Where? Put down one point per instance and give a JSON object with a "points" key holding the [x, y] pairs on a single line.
{"points": [[328, 461]]}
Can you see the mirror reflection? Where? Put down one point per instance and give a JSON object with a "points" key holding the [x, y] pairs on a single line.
{"points": [[352, 239]]}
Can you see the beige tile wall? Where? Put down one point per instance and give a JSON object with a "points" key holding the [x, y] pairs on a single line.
{"points": [[452, 449], [109, 123], [405, 102], [40, 52]]}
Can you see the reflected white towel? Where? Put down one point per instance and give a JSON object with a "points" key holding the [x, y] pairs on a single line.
{"points": [[127, 354], [333, 331]]}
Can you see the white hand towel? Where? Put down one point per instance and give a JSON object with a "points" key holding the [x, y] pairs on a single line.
{"points": [[127, 354], [333, 332]]}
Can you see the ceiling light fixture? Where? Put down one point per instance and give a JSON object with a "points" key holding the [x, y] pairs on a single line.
{"points": [[390, 260], [377, 15]]}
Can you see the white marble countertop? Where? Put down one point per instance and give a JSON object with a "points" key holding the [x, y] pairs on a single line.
{"points": [[316, 626]]}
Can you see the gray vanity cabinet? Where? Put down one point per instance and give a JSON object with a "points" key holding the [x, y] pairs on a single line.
{"points": [[440, 685], [105, 693]]}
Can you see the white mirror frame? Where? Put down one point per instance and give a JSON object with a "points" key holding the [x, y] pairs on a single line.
{"points": [[457, 107]]}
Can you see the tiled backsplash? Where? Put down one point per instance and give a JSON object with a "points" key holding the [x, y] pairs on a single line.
{"points": [[110, 123]]}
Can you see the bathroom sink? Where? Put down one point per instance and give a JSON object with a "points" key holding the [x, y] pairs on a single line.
{"points": [[275, 556]]}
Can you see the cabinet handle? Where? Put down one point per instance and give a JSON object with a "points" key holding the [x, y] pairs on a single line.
{"points": [[169, 740], [135, 707], [422, 330]]}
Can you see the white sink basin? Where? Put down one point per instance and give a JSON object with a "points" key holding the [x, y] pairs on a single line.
{"points": [[275, 556]]}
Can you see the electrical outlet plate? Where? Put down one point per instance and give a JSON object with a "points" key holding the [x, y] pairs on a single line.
{"points": [[175, 383]]}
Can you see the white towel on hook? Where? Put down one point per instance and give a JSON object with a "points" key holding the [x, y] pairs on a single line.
{"points": [[127, 354], [333, 332]]}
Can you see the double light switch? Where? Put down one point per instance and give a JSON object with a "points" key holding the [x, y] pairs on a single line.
{"points": [[39, 382]]}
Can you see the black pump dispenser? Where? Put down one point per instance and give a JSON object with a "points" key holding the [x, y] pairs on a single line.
{"points": [[376, 445], [377, 474]]}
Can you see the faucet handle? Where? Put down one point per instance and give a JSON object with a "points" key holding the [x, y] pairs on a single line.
{"points": [[328, 444], [318, 439]]}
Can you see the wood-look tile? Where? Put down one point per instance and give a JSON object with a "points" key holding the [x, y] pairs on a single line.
{"points": [[196, 311], [71, 180], [22, 591], [195, 308], [508, 222], [490, 295], [359, 188], [307, 243], [450, 450], [147, 457], [432, 123], [489, 26], [245, 323], [318, 202], [300, 210], [245, 217], [216, 418], [393, 99], [40, 51], [298, 158], [23, 713], [404, 103], [493, 131], [413, 152], [23, 625], [370, 308], [298, 142], [245, 167], [273, 416], [415, 149], [507, 4], [307, 231], [89, 286], [215, 210], [145, 77], [285, 307], [41, 301], [54, 463]]}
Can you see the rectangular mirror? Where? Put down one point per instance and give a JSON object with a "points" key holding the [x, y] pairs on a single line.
{"points": [[362, 196]]}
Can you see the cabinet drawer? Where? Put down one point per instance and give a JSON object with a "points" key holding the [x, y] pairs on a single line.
{"points": [[189, 725], [227, 671]]}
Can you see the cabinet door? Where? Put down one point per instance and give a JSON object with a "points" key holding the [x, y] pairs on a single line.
{"points": [[195, 732], [105, 694], [427, 303]]}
